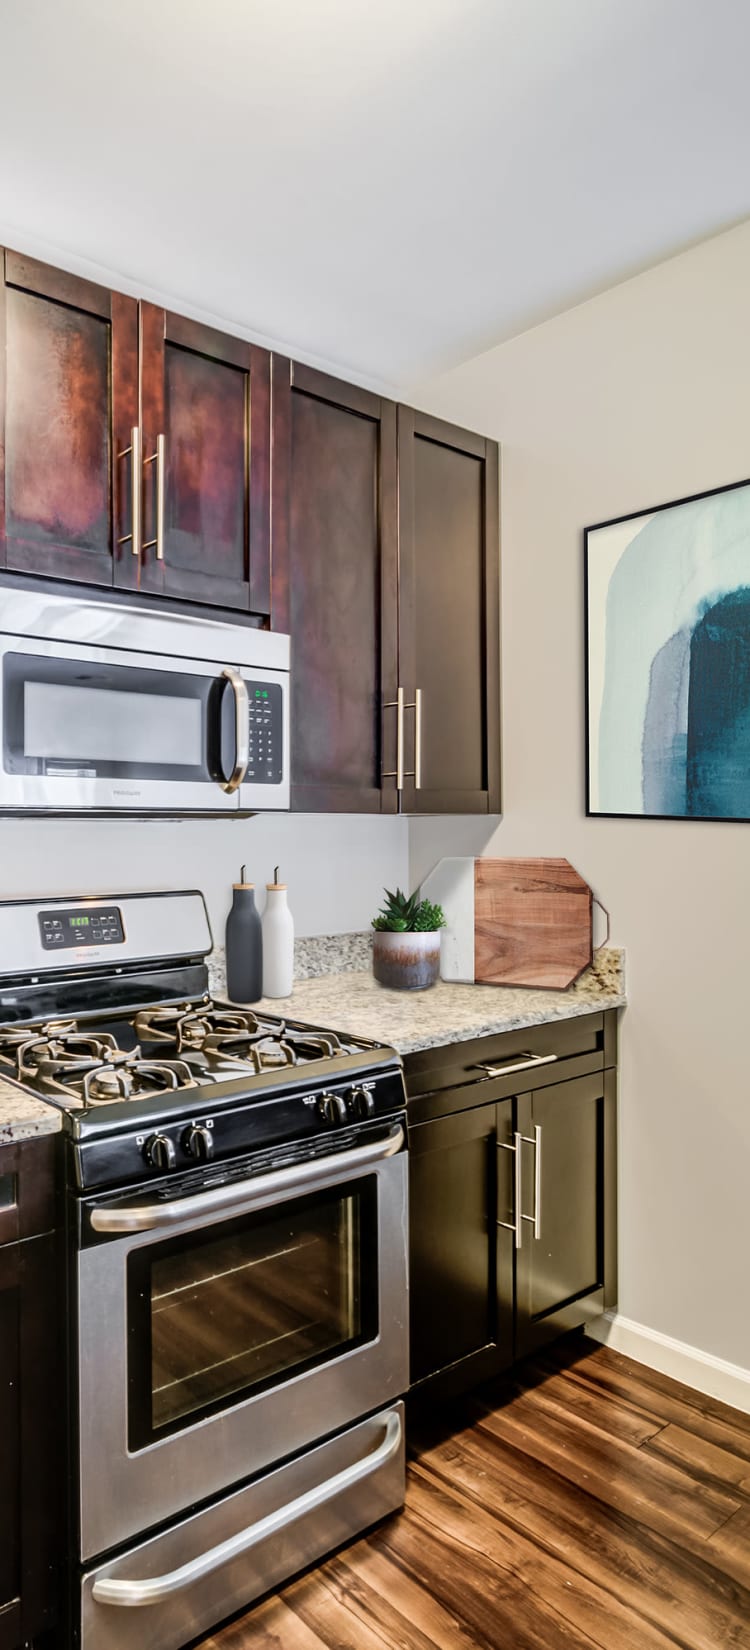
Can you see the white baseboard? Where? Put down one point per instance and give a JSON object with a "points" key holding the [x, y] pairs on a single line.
{"points": [[714, 1376]]}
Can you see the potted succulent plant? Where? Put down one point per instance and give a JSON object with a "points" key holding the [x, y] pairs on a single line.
{"points": [[406, 942]]}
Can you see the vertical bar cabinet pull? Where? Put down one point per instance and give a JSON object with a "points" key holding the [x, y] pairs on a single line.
{"points": [[397, 773], [135, 490], [158, 458], [515, 1226]]}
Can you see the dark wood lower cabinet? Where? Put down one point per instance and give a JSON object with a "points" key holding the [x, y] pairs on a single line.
{"points": [[512, 1220], [461, 1285], [567, 1143], [31, 1400]]}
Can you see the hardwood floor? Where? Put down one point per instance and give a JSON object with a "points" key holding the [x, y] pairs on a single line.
{"points": [[587, 1503]]}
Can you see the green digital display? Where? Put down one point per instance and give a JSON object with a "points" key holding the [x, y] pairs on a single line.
{"points": [[79, 922]]}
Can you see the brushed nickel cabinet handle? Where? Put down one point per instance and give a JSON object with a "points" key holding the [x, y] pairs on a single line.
{"points": [[535, 1220], [537, 1181], [397, 773], [525, 1062], [242, 729], [135, 490], [514, 1226], [418, 739], [154, 1589], [534, 1140], [158, 458]]}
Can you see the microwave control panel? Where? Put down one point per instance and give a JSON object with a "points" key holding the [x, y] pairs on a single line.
{"points": [[61, 930], [266, 758]]}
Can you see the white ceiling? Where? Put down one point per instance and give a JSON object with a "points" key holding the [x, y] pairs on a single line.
{"points": [[386, 186]]}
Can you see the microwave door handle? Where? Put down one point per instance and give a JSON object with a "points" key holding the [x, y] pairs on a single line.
{"points": [[244, 1194], [113, 1590], [241, 729]]}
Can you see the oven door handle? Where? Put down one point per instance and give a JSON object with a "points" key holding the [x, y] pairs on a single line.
{"points": [[243, 1194], [110, 1590]]}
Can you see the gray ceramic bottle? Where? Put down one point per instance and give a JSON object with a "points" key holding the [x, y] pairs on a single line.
{"points": [[244, 945]]}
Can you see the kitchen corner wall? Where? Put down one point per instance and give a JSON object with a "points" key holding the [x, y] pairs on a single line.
{"points": [[636, 397], [336, 865]]}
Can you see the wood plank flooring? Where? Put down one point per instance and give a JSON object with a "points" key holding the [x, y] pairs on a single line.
{"points": [[587, 1503]]}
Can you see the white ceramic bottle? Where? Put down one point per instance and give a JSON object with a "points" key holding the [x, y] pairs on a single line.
{"points": [[278, 941]]}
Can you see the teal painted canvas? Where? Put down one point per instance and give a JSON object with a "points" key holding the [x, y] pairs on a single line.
{"points": [[668, 660]]}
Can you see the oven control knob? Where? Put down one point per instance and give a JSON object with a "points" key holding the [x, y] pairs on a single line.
{"points": [[332, 1108], [362, 1103], [198, 1142], [159, 1152]]}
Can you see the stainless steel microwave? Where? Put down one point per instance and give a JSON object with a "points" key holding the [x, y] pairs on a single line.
{"points": [[111, 709]]}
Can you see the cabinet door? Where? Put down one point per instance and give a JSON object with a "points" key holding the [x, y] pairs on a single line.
{"points": [[206, 483], [10, 1453], [449, 616], [68, 402], [461, 1270], [335, 569], [560, 1265]]}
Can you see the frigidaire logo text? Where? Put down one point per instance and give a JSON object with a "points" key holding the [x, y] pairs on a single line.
{"points": [[115, 792]]}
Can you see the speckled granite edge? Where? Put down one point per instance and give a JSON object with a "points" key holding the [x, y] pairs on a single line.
{"points": [[22, 1117], [353, 1004]]}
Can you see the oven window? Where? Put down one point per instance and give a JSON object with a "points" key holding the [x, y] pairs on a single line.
{"points": [[244, 1306]]}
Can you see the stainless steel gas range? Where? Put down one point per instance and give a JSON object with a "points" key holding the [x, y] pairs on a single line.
{"points": [[236, 1201]]}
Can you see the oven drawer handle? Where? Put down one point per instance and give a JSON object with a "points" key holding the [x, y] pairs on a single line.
{"points": [[525, 1062], [148, 1217], [109, 1590]]}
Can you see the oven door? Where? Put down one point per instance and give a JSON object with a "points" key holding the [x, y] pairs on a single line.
{"points": [[225, 1329], [107, 730]]}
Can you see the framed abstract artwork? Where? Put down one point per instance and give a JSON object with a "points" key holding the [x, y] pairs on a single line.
{"points": [[668, 660]]}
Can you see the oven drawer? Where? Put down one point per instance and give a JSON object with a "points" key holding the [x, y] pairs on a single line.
{"points": [[168, 1590]]}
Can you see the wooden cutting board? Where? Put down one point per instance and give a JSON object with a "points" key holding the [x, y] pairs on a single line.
{"points": [[513, 921]]}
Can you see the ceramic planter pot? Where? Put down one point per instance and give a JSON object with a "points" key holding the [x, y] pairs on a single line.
{"points": [[406, 962]]}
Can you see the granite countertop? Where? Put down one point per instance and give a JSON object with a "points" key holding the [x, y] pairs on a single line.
{"points": [[353, 1002], [335, 988], [22, 1117]]}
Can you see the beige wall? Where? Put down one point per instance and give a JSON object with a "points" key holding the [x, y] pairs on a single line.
{"points": [[637, 397]]}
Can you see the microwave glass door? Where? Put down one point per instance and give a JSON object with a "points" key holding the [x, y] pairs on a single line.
{"points": [[221, 1314], [71, 717]]}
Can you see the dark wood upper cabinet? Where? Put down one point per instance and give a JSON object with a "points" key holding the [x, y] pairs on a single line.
{"points": [[449, 616], [206, 464], [385, 562], [68, 403], [335, 572]]}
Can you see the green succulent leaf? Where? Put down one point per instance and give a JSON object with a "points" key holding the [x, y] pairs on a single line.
{"points": [[408, 914]]}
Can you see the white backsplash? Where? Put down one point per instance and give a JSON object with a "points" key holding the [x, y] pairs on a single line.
{"points": [[336, 866]]}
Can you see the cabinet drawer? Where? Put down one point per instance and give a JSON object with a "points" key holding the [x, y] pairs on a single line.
{"points": [[487, 1069]]}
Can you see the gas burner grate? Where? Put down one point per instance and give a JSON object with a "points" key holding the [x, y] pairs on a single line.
{"points": [[173, 1046], [140, 1078]]}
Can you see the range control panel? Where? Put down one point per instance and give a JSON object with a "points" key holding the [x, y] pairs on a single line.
{"points": [[265, 765], [61, 930]]}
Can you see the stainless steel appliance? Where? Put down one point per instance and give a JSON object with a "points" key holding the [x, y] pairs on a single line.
{"points": [[109, 708], [236, 1208]]}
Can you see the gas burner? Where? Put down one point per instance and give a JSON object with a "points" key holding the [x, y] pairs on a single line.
{"points": [[191, 1025], [51, 1063], [104, 1084], [139, 1078], [14, 1039]]}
